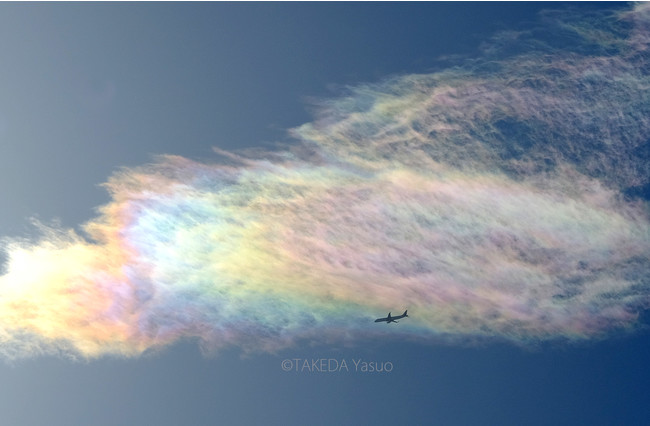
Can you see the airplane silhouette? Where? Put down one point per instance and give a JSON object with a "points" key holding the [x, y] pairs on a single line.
{"points": [[390, 319]]}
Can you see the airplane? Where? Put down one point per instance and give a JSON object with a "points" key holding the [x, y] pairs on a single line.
{"points": [[390, 319]]}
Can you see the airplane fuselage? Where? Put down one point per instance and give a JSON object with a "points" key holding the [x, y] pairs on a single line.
{"points": [[390, 319]]}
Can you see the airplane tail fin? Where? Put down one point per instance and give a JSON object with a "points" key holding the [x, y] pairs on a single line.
{"points": [[405, 313]]}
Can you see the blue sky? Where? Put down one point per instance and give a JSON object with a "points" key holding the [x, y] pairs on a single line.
{"points": [[88, 89]]}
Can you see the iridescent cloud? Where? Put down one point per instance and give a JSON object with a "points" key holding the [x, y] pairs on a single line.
{"points": [[502, 198]]}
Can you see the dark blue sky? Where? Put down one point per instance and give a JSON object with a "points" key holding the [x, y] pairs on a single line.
{"points": [[88, 88]]}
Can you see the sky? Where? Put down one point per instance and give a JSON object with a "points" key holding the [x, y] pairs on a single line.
{"points": [[205, 207]]}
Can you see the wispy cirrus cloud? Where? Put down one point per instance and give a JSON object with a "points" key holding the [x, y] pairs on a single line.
{"points": [[502, 198]]}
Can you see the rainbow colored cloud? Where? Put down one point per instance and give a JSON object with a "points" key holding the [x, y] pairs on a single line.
{"points": [[495, 199]]}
